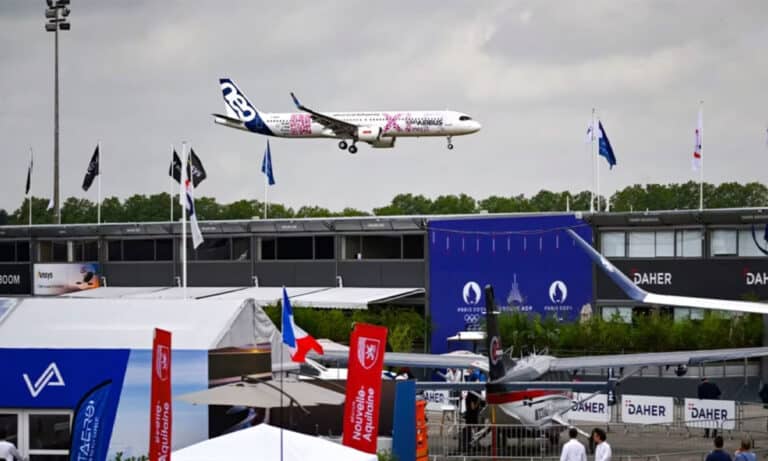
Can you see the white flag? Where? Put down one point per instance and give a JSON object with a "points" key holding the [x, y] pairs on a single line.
{"points": [[50, 204], [698, 140]]}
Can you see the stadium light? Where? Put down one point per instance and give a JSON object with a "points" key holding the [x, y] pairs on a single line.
{"points": [[56, 14]]}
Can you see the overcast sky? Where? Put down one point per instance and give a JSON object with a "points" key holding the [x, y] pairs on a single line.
{"points": [[141, 75]]}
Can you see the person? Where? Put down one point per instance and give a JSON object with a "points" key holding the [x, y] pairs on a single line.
{"points": [[471, 418], [708, 391], [743, 453], [8, 451], [718, 454], [573, 450], [602, 449]]}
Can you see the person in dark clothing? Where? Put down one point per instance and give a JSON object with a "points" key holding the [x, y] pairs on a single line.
{"points": [[718, 454], [471, 417], [708, 391]]}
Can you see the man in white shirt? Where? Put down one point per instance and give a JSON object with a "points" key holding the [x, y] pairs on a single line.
{"points": [[573, 450], [8, 451], [602, 450]]}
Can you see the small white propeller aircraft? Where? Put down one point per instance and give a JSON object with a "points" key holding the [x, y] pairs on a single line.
{"points": [[378, 129]]}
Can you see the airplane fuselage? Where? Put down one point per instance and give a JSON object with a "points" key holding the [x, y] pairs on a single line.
{"points": [[381, 124]]}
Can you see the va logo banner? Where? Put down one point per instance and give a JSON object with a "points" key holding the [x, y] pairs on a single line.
{"points": [[50, 377]]}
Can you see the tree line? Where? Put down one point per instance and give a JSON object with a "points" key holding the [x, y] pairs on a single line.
{"points": [[156, 207]]}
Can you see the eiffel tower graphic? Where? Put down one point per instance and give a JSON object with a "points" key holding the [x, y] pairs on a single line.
{"points": [[514, 298]]}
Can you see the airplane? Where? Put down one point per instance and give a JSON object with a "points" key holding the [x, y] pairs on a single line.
{"points": [[378, 129], [516, 387]]}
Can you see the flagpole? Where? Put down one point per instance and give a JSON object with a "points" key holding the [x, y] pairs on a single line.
{"points": [[98, 187], [172, 183], [29, 193], [282, 413], [182, 197], [266, 197], [596, 168], [701, 153]]}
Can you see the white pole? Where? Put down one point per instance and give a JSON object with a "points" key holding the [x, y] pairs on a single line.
{"points": [[596, 171], [29, 194], [98, 186], [183, 199], [597, 161], [172, 183], [701, 165], [266, 196]]}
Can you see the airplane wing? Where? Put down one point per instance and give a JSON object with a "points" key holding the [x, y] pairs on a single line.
{"points": [[338, 353], [655, 358], [638, 294], [339, 127]]}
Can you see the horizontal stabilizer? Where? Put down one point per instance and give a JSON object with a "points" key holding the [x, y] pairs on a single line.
{"points": [[638, 294]]}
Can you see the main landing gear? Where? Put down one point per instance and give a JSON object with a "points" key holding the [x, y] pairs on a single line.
{"points": [[450, 144], [352, 147]]}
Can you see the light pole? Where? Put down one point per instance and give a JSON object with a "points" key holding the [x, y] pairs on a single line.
{"points": [[56, 14]]}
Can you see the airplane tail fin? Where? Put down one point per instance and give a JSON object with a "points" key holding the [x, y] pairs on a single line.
{"points": [[493, 337], [240, 108]]}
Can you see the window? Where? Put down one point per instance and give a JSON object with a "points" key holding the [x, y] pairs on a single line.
{"points": [[164, 250], [115, 250], [212, 249], [642, 245], [747, 245], [325, 247], [85, 250], [52, 251], [612, 244], [22, 251], [413, 246], [294, 248], [688, 243], [353, 247], [241, 248], [139, 250], [7, 251], [268, 248], [665, 244], [465, 118], [723, 243], [622, 314], [382, 247]]}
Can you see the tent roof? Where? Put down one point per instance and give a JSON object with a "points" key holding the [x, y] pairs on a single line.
{"points": [[126, 323], [265, 395], [263, 442], [317, 297]]}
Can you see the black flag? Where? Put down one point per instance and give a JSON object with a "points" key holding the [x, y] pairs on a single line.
{"points": [[174, 170], [29, 177], [195, 168], [93, 170]]}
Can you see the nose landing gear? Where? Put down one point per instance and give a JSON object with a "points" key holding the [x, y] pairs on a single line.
{"points": [[450, 144]]}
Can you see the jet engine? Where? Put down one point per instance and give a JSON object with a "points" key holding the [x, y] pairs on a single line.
{"points": [[368, 134], [383, 142]]}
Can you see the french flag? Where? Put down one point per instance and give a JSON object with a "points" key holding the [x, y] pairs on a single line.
{"points": [[297, 340]]}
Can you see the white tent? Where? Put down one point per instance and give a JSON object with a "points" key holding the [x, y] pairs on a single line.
{"points": [[262, 442]]}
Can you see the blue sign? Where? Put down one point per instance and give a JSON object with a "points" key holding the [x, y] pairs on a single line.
{"points": [[533, 265], [90, 437], [61, 378]]}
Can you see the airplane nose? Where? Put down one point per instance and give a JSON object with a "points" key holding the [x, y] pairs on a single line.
{"points": [[475, 126]]}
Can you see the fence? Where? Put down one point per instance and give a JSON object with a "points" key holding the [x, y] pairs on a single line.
{"points": [[452, 440]]}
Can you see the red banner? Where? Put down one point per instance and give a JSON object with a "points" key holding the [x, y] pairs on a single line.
{"points": [[160, 410], [361, 408]]}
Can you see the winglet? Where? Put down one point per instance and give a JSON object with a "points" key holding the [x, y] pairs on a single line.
{"points": [[618, 277], [295, 100]]}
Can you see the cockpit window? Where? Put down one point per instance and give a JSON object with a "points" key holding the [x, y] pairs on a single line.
{"points": [[464, 118]]}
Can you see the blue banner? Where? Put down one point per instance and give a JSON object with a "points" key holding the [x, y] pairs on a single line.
{"points": [[533, 265], [90, 434], [404, 421]]}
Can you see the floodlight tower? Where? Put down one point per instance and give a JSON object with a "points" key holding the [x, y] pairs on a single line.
{"points": [[56, 14]]}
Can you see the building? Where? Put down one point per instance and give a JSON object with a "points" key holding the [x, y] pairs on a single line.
{"points": [[443, 262]]}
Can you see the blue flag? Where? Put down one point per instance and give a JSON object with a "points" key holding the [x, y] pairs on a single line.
{"points": [[605, 146], [90, 435], [266, 166]]}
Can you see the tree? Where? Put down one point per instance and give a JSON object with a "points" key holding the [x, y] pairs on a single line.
{"points": [[112, 210], [452, 204], [313, 212], [40, 213], [406, 204], [242, 209], [78, 210]]}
